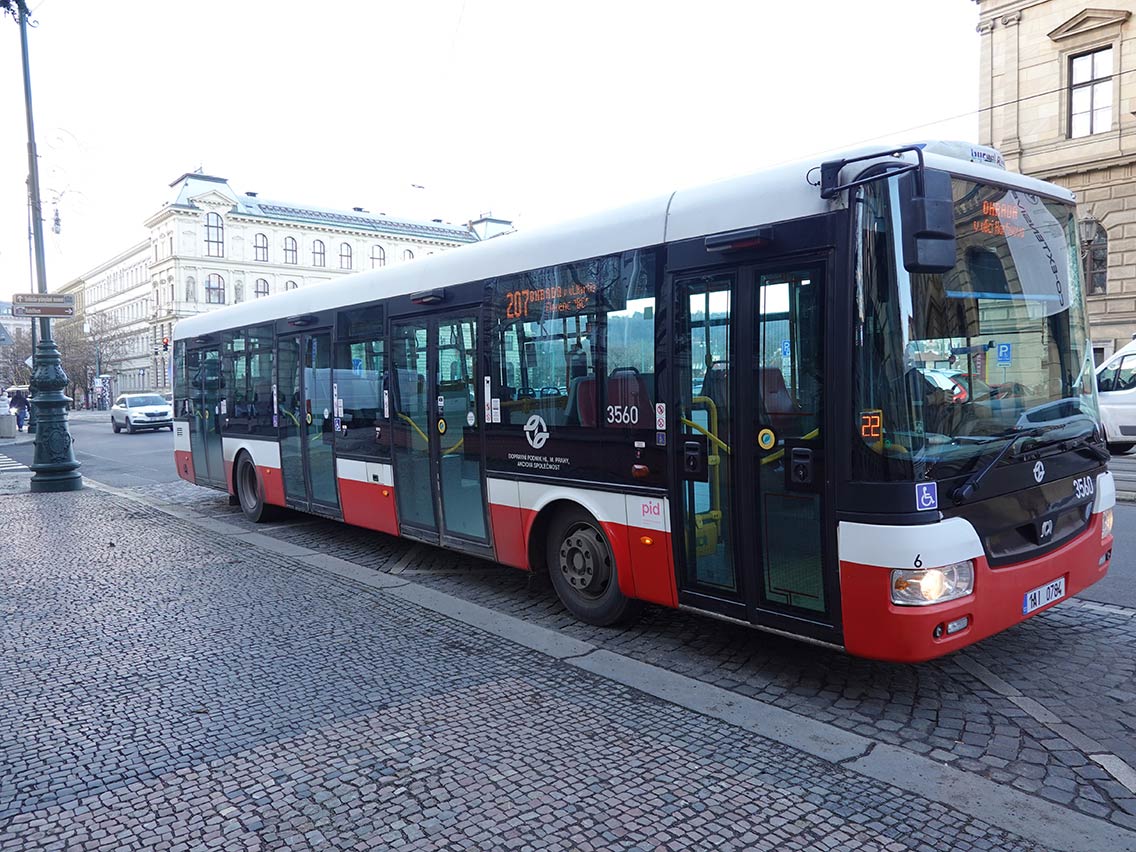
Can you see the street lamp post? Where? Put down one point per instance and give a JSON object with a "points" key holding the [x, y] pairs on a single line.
{"points": [[55, 465]]}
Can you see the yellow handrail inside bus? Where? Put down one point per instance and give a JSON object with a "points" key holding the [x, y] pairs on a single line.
{"points": [[421, 434], [454, 448]]}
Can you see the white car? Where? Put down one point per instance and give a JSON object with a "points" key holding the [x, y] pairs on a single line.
{"points": [[1116, 388], [134, 411]]}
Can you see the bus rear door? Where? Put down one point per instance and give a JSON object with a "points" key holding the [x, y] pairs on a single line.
{"points": [[436, 429]]}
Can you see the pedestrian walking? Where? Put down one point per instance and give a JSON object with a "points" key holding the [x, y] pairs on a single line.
{"points": [[19, 404]]}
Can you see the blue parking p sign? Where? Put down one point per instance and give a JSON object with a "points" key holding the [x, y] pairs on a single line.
{"points": [[786, 349], [926, 496], [1005, 353]]}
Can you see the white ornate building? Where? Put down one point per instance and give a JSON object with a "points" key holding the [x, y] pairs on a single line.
{"points": [[211, 246]]}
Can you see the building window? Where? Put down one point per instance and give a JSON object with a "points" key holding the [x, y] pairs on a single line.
{"points": [[214, 289], [1094, 253], [289, 285], [260, 246], [261, 288], [345, 255], [319, 256], [290, 250], [214, 236], [407, 254], [1090, 93], [378, 257]]}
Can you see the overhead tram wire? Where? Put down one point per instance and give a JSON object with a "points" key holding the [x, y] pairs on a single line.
{"points": [[932, 123]]}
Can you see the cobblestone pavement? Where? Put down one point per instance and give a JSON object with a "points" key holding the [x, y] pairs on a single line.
{"points": [[163, 689], [1026, 708]]}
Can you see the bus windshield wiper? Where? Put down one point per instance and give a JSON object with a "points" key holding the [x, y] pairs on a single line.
{"points": [[971, 485]]}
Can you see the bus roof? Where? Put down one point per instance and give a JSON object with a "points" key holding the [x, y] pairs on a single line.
{"points": [[774, 195]]}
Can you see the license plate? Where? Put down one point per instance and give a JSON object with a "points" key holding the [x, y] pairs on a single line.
{"points": [[1042, 595]]}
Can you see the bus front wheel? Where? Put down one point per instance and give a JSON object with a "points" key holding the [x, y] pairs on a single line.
{"points": [[250, 494], [582, 568]]}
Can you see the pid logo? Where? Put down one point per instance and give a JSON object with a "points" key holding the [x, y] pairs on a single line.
{"points": [[536, 432], [651, 514]]}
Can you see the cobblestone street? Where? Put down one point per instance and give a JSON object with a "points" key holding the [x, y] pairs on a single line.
{"points": [[167, 689]]}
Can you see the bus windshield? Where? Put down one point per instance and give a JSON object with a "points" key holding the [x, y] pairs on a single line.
{"points": [[950, 365]]}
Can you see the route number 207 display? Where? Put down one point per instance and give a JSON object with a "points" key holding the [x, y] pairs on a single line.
{"points": [[625, 415]]}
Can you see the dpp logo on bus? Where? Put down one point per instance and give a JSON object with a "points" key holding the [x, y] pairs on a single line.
{"points": [[536, 431]]}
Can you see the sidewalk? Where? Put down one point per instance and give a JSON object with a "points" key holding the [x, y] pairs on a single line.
{"points": [[180, 681]]}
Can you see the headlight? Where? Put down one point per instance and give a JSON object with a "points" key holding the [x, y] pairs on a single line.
{"points": [[1106, 524], [924, 586]]}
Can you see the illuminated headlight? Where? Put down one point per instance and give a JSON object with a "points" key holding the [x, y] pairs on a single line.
{"points": [[924, 586], [1106, 524]]}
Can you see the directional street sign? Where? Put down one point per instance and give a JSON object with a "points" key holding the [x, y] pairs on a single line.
{"points": [[43, 305]]}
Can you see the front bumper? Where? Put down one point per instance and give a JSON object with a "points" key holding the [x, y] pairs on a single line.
{"points": [[874, 627]]}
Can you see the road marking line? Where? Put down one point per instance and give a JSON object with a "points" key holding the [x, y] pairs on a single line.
{"points": [[11, 464]]}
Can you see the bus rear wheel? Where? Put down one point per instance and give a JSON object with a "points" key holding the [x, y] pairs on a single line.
{"points": [[583, 572], [249, 493]]}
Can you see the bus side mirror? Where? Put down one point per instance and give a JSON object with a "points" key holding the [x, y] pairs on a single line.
{"points": [[927, 221]]}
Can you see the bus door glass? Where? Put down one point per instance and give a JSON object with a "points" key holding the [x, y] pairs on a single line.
{"points": [[786, 427], [436, 427], [705, 366], [206, 389], [306, 421]]}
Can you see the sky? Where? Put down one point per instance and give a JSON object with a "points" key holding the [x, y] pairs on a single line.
{"points": [[530, 110]]}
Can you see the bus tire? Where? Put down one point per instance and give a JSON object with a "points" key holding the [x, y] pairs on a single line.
{"points": [[246, 481], [583, 571], [1119, 449]]}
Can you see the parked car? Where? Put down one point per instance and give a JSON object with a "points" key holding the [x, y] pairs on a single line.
{"points": [[134, 411], [1116, 388]]}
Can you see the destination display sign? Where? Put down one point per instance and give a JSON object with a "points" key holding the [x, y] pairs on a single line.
{"points": [[1000, 219], [43, 305], [551, 301]]}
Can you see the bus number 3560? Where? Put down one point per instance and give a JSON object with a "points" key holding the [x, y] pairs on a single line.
{"points": [[628, 414], [1083, 487]]}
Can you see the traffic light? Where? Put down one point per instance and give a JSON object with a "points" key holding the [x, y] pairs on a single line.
{"points": [[165, 344]]}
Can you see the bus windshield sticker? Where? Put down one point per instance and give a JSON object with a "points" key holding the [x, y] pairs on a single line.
{"points": [[926, 496], [386, 403], [660, 416], [496, 410], [488, 418]]}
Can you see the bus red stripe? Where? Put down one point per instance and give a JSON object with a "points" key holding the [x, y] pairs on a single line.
{"points": [[183, 461], [367, 504]]}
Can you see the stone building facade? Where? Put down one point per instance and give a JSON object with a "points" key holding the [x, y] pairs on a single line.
{"points": [[1058, 99], [210, 246]]}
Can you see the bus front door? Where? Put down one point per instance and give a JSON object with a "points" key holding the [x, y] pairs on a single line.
{"points": [[436, 430], [751, 445], [306, 422]]}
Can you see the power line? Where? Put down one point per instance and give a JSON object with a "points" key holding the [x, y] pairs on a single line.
{"points": [[978, 111]]}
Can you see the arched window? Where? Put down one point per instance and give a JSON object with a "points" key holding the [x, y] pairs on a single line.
{"points": [[260, 246], [319, 256], [1094, 253], [290, 250], [407, 254], [214, 236], [214, 289], [289, 285], [378, 257], [261, 288], [345, 255]]}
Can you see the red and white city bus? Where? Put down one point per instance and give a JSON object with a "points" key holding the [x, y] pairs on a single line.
{"points": [[848, 401]]}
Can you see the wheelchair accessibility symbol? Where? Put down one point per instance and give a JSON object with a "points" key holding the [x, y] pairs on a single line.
{"points": [[926, 496]]}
